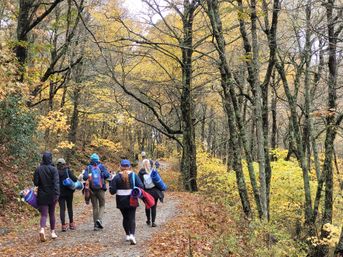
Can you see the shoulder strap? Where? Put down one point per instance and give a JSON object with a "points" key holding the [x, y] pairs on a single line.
{"points": [[67, 172], [133, 179]]}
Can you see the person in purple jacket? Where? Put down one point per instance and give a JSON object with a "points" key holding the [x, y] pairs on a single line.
{"points": [[122, 185], [97, 194]]}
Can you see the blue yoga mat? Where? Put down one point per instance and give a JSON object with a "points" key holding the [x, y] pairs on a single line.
{"points": [[156, 178], [72, 185]]}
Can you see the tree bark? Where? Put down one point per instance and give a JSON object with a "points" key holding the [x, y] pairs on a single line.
{"points": [[188, 165]]}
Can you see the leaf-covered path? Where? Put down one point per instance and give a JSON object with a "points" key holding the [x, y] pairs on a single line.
{"points": [[86, 242]]}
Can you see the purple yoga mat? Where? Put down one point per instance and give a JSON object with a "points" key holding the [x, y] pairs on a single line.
{"points": [[31, 199], [136, 192]]}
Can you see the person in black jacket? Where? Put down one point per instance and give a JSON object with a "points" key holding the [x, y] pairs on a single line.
{"points": [[47, 180], [122, 185], [66, 194], [149, 187]]}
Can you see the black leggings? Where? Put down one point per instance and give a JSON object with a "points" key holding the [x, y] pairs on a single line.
{"points": [[151, 211], [129, 220], [62, 202]]}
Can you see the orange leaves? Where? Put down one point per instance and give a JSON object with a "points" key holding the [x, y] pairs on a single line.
{"points": [[324, 113], [193, 231]]}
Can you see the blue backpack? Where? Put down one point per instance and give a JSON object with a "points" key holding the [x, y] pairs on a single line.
{"points": [[95, 179]]}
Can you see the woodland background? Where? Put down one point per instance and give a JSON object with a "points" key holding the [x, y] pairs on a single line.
{"points": [[244, 96]]}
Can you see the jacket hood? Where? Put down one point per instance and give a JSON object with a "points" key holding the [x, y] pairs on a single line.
{"points": [[47, 158]]}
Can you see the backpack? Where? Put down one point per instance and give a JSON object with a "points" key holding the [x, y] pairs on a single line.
{"points": [[95, 179], [148, 183]]}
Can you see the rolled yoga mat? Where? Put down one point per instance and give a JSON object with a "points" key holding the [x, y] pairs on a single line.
{"points": [[156, 178], [31, 198], [72, 185], [136, 192]]}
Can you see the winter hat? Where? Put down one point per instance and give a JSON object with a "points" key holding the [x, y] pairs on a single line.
{"points": [[95, 157], [125, 163], [61, 161]]}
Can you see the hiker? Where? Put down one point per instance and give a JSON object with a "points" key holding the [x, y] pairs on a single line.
{"points": [[146, 164], [149, 187], [47, 180], [66, 194], [96, 173], [122, 185]]}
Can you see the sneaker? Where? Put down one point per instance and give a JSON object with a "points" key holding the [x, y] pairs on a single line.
{"points": [[64, 227], [53, 234], [133, 240], [42, 235], [127, 238], [148, 222], [72, 226], [153, 224], [99, 224], [96, 228]]}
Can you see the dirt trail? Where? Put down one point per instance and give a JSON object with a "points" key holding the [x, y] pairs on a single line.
{"points": [[86, 242]]}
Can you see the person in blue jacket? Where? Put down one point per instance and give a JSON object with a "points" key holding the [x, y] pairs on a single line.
{"points": [[97, 194], [122, 185]]}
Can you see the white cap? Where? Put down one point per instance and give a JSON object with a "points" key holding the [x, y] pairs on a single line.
{"points": [[143, 153]]}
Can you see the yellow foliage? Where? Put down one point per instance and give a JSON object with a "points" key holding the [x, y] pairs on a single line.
{"points": [[55, 121], [65, 145], [330, 240], [110, 145], [9, 74]]}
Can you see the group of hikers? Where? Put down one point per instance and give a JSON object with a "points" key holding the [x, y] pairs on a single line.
{"points": [[50, 184]]}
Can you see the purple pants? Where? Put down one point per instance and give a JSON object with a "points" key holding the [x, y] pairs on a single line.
{"points": [[44, 209]]}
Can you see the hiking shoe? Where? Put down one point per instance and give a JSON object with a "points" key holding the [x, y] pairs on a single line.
{"points": [[127, 238], [53, 234], [96, 228], [148, 222], [64, 227], [153, 224], [42, 235], [72, 226], [133, 240], [99, 224]]}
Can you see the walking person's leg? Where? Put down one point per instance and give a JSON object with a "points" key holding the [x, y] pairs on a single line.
{"points": [[101, 198], [132, 224], [95, 205], [147, 213], [61, 202], [52, 219], [43, 217], [153, 214], [126, 225], [70, 211]]}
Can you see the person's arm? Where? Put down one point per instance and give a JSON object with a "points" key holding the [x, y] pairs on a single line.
{"points": [[105, 173], [85, 174], [56, 181], [36, 178], [138, 182], [113, 186], [72, 176]]}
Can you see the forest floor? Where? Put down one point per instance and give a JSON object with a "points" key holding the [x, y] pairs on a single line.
{"points": [[23, 240], [187, 225]]}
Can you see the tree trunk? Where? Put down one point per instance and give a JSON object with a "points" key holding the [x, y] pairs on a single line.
{"points": [[232, 107], [188, 166]]}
